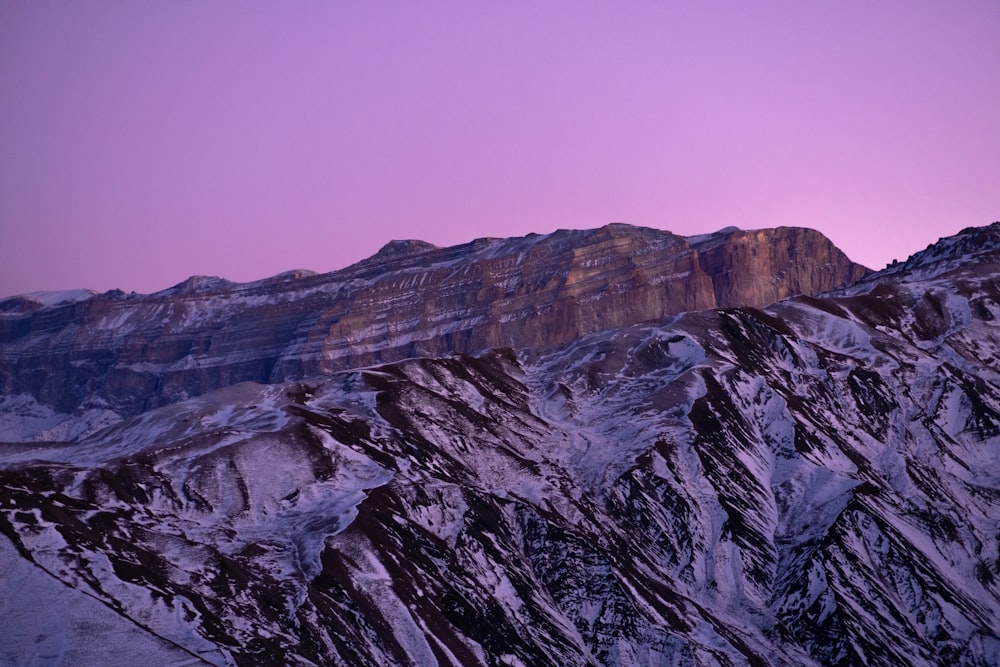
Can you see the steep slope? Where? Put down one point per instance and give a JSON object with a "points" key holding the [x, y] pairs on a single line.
{"points": [[125, 354], [815, 482]]}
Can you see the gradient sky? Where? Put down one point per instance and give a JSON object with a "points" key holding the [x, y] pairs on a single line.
{"points": [[143, 142]]}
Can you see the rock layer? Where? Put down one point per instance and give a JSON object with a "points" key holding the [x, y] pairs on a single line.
{"points": [[133, 352], [816, 482]]}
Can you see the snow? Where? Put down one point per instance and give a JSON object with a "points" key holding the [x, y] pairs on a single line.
{"points": [[56, 298], [375, 583], [47, 623], [837, 476]]}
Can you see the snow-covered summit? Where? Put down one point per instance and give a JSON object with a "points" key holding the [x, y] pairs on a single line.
{"points": [[54, 298], [812, 482], [972, 250]]}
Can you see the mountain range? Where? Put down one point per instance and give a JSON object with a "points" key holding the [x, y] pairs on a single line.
{"points": [[606, 447]]}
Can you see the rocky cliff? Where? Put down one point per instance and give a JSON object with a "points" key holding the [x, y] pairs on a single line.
{"points": [[812, 482], [126, 353]]}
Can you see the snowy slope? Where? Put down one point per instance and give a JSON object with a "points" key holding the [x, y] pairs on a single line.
{"points": [[815, 482]]}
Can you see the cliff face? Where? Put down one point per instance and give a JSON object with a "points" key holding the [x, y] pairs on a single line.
{"points": [[133, 352], [759, 267], [816, 482]]}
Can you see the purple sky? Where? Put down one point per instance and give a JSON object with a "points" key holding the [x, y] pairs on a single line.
{"points": [[143, 142]]}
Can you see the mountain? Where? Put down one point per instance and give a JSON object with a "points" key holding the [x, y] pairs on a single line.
{"points": [[124, 354], [814, 481]]}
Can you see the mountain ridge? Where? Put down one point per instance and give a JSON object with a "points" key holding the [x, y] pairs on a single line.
{"points": [[138, 351], [814, 481]]}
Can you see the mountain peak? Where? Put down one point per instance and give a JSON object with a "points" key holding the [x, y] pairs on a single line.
{"points": [[967, 245], [970, 250], [52, 298], [403, 247], [196, 284]]}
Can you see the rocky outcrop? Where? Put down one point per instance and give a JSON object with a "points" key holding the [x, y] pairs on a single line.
{"points": [[132, 352], [816, 482], [755, 268]]}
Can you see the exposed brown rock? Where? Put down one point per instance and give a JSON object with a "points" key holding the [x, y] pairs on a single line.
{"points": [[410, 299]]}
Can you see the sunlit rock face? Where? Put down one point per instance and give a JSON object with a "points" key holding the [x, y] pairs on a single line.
{"points": [[130, 353], [811, 482]]}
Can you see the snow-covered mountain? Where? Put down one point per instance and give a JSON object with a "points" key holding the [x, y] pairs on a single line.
{"points": [[814, 481], [124, 354]]}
